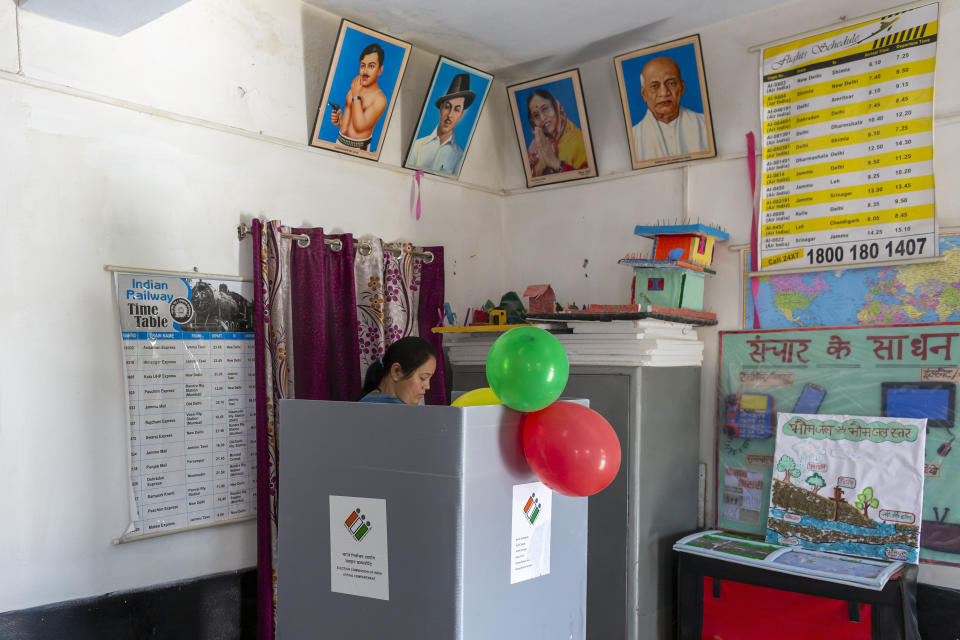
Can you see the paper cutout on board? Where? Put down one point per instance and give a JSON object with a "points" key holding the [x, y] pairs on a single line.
{"points": [[742, 495], [848, 484]]}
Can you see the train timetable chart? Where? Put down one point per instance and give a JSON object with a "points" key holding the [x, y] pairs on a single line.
{"points": [[188, 360], [847, 116]]}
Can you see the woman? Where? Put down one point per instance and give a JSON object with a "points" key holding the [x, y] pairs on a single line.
{"points": [[557, 144], [402, 375]]}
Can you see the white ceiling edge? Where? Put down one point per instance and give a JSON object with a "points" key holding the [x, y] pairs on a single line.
{"points": [[113, 17], [510, 39]]}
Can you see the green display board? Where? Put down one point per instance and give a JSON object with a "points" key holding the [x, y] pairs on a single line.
{"points": [[866, 371]]}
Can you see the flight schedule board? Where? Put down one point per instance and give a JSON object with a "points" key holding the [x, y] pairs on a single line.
{"points": [[847, 174], [188, 361]]}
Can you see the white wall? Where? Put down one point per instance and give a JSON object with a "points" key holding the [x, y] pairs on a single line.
{"points": [[551, 230], [147, 150], [142, 151]]}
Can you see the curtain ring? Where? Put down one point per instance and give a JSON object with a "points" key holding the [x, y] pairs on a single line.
{"points": [[335, 244]]}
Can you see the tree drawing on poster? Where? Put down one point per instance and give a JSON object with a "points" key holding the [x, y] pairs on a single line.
{"points": [[789, 467], [877, 460], [816, 482]]}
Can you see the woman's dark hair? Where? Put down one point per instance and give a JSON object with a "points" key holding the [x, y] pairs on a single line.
{"points": [[409, 353], [546, 95]]}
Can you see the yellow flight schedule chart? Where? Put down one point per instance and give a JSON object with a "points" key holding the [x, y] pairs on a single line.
{"points": [[847, 171]]}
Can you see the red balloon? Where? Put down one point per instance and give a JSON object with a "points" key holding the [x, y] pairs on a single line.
{"points": [[571, 448]]}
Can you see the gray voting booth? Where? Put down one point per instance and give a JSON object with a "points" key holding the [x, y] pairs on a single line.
{"points": [[401, 522], [652, 502]]}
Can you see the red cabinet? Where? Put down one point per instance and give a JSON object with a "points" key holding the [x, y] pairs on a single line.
{"points": [[720, 600]]}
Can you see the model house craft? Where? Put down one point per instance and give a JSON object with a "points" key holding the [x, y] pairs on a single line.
{"points": [[541, 298], [671, 281]]}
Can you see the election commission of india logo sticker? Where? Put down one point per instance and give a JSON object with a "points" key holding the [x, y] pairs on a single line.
{"points": [[357, 524], [532, 508], [181, 310]]}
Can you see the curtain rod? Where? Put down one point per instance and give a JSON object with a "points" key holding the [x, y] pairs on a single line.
{"points": [[113, 268], [844, 20], [363, 248]]}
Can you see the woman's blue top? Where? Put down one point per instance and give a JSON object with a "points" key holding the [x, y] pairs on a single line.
{"points": [[381, 398]]}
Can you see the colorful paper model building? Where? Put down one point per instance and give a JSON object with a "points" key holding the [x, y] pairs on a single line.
{"points": [[673, 278], [542, 299]]}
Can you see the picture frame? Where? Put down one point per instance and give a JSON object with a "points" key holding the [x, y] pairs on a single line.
{"points": [[448, 119], [679, 128], [550, 117], [360, 53]]}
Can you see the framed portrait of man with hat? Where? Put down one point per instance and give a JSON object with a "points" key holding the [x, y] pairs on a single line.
{"points": [[448, 118]]}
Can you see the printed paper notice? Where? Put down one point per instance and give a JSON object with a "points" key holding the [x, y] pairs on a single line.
{"points": [[530, 531], [848, 144], [358, 547]]}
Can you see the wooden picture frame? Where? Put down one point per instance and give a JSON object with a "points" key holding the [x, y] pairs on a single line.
{"points": [[678, 128], [360, 53], [448, 118], [550, 117]]}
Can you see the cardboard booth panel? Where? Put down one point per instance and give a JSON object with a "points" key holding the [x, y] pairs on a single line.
{"points": [[395, 516]]}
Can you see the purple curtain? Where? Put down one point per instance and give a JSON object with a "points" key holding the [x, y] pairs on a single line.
{"points": [[325, 319], [264, 243], [431, 300], [306, 313]]}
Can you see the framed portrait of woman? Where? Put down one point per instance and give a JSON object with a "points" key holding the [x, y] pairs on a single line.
{"points": [[550, 116], [663, 90]]}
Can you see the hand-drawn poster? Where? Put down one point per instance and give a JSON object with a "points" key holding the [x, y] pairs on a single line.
{"points": [[188, 357], [848, 484]]}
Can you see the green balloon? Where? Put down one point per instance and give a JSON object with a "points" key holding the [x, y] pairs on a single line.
{"points": [[527, 368]]}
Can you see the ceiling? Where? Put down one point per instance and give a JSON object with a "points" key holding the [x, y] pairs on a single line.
{"points": [[510, 36], [114, 17]]}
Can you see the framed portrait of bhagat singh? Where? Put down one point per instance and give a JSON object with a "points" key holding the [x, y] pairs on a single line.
{"points": [[448, 118], [550, 116], [360, 91], [663, 90]]}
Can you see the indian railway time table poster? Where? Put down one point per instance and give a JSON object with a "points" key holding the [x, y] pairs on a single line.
{"points": [[188, 361], [847, 172]]}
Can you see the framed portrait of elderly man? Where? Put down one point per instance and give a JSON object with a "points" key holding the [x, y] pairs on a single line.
{"points": [[360, 91], [551, 122], [448, 118], [663, 89]]}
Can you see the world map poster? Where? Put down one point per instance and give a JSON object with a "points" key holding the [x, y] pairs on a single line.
{"points": [[927, 292]]}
